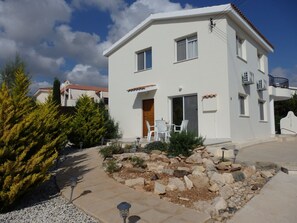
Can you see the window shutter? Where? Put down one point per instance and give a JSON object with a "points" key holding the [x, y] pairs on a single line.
{"points": [[181, 50], [140, 61]]}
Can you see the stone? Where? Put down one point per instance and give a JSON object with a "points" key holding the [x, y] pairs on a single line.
{"points": [[228, 178], [217, 178], [214, 188], [199, 148], [173, 160], [171, 187], [184, 168], [156, 167], [180, 173], [183, 198], [154, 177], [235, 167], [266, 174], [178, 183], [118, 178], [226, 192], [189, 183], [194, 159], [224, 166], [219, 204], [133, 182], [168, 171], [209, 165], [156, 151], [159, 188], [254, 187], [125, 156], [238, 176], [127, 165], [198, 168], [199, 181], [249, 171]]}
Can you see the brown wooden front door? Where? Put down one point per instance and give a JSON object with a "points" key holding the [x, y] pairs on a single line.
{"points": [[147, 114]]}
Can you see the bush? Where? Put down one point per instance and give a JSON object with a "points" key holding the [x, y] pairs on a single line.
{"points": [[108, 151], [138, 162], [157, 145], [183, 143], [30, 137], [112, 166], [87, 125]]}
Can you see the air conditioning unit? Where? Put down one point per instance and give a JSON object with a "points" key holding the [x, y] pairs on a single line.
{"points": [[247, 78], [261, 85]]}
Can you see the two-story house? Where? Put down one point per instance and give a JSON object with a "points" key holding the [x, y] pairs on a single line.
{"points": [[206, 65]]}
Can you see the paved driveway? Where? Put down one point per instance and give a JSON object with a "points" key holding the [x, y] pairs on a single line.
{"points": [[278, 152]]}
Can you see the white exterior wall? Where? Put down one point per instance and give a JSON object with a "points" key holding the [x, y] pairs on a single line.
{"points": [[205, 75], [75, 94], [250, 127], [42, 96]]}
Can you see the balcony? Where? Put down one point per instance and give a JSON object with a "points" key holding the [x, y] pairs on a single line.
{"points": [[278, 82], [278, 88]]}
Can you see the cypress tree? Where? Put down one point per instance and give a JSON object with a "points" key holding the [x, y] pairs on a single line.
{"points": [[30, 137], [56, 92], [87, 125]]}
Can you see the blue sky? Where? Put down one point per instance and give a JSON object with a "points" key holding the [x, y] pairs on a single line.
{"points": [[66, 38]]}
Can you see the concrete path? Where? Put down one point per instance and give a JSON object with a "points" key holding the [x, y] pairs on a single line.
{"points": [[98, 195], [276, 203], [282, 153]]}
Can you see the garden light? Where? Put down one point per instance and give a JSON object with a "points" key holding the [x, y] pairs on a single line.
{"points": [[124, 210]]}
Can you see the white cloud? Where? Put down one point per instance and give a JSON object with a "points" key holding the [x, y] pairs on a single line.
{"points": [[289, 73], [127, 19], [88, 75], [35, 85], [110, 5], [30, 21]]}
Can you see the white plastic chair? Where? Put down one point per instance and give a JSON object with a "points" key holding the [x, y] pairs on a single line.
{"points": [[182, 127], [150, 131], [161, 129]]}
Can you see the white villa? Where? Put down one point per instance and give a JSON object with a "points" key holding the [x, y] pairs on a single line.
{"points": [[70, 93], [206, 65]]}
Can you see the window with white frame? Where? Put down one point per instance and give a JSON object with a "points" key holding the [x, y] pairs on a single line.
{"points": [[187, 48], [260, 61], [144, 59], [240, 47], [243, 104], [262, 109]]}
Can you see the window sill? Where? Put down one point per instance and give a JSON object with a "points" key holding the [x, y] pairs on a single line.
{"points": [[244, 116], [244, 60], [180, 61], [263, 121], [140, 71], [261, 71]]}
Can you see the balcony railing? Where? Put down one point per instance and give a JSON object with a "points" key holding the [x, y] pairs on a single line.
{"points": [[278, 82]]}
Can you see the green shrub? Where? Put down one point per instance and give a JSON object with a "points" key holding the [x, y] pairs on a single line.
{"points": [[108, 151], [30, 137], [183, 143], [138, 162], [112, 166], [157, 145], [87, 125]]}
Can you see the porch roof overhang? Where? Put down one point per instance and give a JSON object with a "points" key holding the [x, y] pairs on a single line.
{"points": [[143, 88]]}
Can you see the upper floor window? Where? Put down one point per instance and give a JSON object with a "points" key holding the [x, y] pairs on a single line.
{"points": [[187, 48], [243, 105], [240, 50], [262, 109], [260, 61], [144, 59]]}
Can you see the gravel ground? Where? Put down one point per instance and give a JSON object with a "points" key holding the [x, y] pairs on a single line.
{"points": [[45, 205]]}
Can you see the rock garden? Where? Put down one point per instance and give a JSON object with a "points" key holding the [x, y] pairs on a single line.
{"points": [[199, 181]]}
